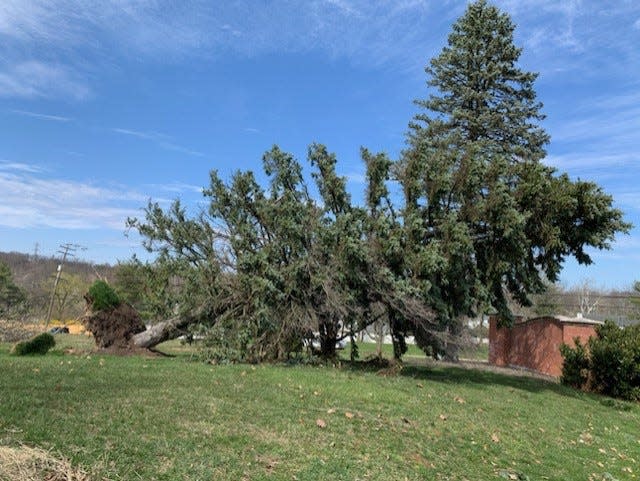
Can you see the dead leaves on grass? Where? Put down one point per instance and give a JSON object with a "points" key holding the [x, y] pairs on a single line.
{"points": [[513, 475], [586, 438], [321, 423], [269, 463], [421, 460]]}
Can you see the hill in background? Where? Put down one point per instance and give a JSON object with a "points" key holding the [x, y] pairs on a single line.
{"points": [[36, 275]]}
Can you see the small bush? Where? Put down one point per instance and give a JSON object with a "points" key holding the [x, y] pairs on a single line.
{"points": [[575, 368], [609, 363], [38, 345], [102, 296], [615, 361]]}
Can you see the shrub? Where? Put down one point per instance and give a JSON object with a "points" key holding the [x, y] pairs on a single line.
{"points": [[102, 296], [575, 368], [38, 345], [615, 361], [610, 362]]}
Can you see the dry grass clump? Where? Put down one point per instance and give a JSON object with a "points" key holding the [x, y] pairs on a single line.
{"points": [[33, 464]]}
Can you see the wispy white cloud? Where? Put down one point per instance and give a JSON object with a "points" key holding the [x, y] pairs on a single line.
{"points": [[180, 149], [367, 31], [596, 138], [629, 200], [54, 118], [161, 140], [615, 119], [32, 79], [30, 200], [7, 166], [628, 243], [155, 136], [68, 23], [371, 32], [623, 249], [586, 162], [587, 38], [73, 153], [176, 187], [344, 6], [610, 171], [355, 177]]}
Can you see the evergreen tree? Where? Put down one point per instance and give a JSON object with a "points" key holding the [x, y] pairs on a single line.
{"points": [[12, 298], [484, 218], [483, 221]]}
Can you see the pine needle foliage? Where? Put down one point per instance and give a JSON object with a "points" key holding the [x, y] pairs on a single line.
{"points": [[481, 220], [489, 220], [102, 296], [40, 344]]}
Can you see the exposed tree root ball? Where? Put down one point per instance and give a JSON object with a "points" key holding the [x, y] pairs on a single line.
{"points": [[114, 328]]}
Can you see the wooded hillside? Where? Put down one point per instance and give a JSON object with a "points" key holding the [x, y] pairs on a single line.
{"points": [[36, 274]]}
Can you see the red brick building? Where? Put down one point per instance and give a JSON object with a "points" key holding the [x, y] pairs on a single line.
{"points": [[535, 343]]}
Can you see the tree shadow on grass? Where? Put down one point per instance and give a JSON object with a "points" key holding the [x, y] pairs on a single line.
{"points": [[472, 375], [477, 375], [481, 375]]}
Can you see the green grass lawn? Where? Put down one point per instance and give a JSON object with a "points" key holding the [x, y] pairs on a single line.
{"points": [[365, 349], [140, 418]]}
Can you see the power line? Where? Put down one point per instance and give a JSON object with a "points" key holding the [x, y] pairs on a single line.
{"points": [[67, 250]]}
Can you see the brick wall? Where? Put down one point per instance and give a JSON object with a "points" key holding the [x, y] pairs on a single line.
{"points": [[534, 344], [571, 330]]}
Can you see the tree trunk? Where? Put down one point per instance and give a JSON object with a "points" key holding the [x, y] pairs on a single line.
{"points": [[328, 330], [160, 332], [122, 328]]}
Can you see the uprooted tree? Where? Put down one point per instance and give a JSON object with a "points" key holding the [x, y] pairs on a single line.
{"points": [[265, 268], [481, 220], [116, 324]]}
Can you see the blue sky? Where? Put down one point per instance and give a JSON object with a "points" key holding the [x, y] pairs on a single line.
{"points": [[105, 104]]}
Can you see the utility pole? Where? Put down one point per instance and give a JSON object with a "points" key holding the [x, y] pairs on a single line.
{"points": [[67, 250]]}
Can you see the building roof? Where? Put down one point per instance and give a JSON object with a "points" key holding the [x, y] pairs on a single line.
{"points": [[576, 320]]}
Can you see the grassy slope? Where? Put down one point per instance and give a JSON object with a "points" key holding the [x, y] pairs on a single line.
{"points": [[167, 418]]}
